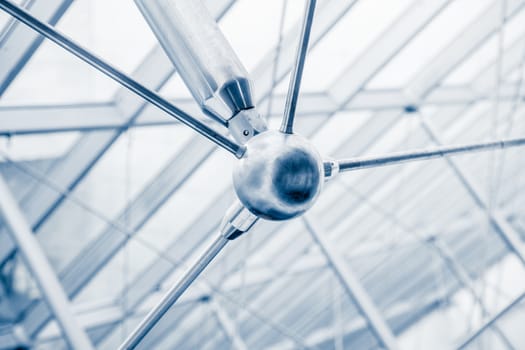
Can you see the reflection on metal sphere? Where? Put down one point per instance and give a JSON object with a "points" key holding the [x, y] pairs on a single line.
{"points": [[279, 176]]}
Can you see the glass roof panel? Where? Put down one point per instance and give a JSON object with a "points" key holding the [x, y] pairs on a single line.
{"points": [[114, 31], [260, 23], [360, 28], [488, 52], [141, 202], [38, 147], [428, 43]]}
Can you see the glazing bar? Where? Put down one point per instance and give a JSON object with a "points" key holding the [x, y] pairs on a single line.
{"points": [[228, 326], [41, 270], [297, 73], [126, 81], [402, 157], [353, 286]]}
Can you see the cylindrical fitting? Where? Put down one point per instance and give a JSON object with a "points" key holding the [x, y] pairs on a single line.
{"points": [[202, 55]]}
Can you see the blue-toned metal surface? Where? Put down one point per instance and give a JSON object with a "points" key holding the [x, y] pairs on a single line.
{"points": [[415, 235], [20, 43]]}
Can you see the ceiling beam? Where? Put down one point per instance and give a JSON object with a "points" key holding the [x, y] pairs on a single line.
{"points": [[399, 311], [124, 105], [392, 41], [155, 70], [364, 57], [127, 104], [353, 286], [19, 43], [39, 204], [91, 260], [328, 14], [491, 322], [41, 270], [21, 120], [501, 226], [463, 46], [46, 119], [228, 326], [109, 314], [462, 275]]}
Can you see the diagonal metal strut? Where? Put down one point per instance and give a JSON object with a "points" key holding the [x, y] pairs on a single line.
{"points": [[41, 269], [115, 74]]}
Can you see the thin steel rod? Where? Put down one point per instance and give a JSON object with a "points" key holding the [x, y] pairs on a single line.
{"points": [[297, 73], [41, 270], [126, 81], [402, 157], [174, 293], [491, 322], [41, 178], [276, 59]]}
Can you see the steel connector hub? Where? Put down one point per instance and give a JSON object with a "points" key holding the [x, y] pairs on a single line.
{"points": [[279, 176]]}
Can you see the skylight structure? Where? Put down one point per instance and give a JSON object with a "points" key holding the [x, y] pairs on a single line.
{"points": [[376, 152]]}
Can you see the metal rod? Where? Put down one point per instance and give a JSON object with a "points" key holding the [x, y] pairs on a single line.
{"points": [[353, 286], [506, 232], [41, 270], [126, 81], [297, 73], [463, 277], [491, 322], [402, 157], [174, 293]]}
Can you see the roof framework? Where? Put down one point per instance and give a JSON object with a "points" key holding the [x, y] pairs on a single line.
{"points": [[402, 248]]}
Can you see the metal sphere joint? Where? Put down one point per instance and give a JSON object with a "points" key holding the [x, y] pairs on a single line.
{"points": [[280, 175]]}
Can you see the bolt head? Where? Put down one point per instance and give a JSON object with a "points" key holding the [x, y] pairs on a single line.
{"points": [[280, 175]]}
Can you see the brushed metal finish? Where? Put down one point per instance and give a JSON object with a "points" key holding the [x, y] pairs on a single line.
{"points": [[280, 175], [174, 293], [423, 154], [205, 61], [134, 86], [236, 221], [297, 73]]}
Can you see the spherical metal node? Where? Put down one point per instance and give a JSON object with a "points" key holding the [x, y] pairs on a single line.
{"points": [[279, 176]]}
